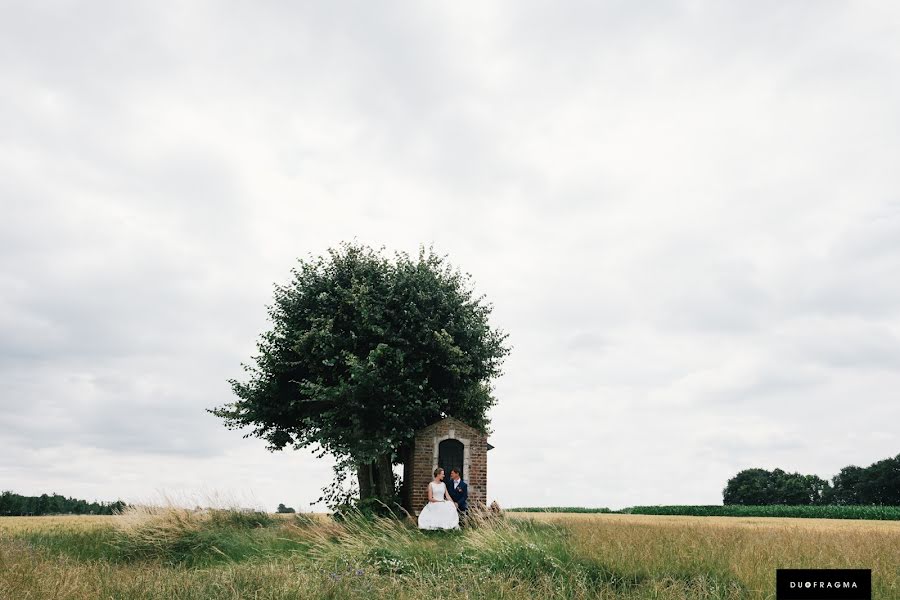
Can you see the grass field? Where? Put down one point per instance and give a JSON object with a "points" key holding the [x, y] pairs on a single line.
{"points": [[178, 554], [877, 513]]}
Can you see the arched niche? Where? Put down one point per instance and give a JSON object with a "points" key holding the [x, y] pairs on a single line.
{"points": [[451, 455]]}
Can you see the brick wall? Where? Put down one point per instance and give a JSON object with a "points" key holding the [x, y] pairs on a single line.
{"points": [[424, 460]]}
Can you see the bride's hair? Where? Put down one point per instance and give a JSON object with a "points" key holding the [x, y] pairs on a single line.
{"points": [[436, 471]]}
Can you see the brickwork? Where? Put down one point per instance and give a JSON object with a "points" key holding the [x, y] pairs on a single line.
{"points": [[425, 460]]}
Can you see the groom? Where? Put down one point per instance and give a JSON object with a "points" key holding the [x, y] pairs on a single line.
{"points": [[459, 491]]}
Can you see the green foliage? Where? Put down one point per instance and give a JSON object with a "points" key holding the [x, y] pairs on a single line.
{"points": [[363, 351], [343, 488], [882, 513], [759, 486], [879, 483], [845, 486], [16, 505]]}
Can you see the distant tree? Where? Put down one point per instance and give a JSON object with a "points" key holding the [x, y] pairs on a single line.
{"points": [[748, 487], [845, 486], [282, 509], [363, 351], [9, 503], [795, 489], [56, 504], [879, 483], [816, 489]]}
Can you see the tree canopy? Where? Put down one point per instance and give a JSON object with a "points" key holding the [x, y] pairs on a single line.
{"points": [[759, 486], [363, 351], [879, 483]]}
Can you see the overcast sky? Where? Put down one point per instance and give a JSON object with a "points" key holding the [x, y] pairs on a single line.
{"points": [[686, 214]]}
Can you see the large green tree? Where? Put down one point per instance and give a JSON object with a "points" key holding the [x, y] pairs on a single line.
{"points": [[365, 349]]}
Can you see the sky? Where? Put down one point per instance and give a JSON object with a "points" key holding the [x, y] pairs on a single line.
{"points": [[686, 216]]}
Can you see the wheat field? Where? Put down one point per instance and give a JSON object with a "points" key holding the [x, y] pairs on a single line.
{"points": [[745, 549], [172, 553]]}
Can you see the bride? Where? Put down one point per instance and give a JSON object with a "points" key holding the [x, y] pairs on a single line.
{"points": [[440, 512]]}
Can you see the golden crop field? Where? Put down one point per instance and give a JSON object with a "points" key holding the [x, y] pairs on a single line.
{"points": [[747, 548], [175, 554]]}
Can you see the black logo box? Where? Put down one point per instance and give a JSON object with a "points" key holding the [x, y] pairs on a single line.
{"points": [[823, 584]]}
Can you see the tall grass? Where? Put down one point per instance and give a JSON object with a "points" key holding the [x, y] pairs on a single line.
{"points": [[80, 543], [173, 553], [745, 550], [188, 537]]}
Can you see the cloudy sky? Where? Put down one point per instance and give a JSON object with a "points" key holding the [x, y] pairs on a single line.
{"points": [[686, 214]]}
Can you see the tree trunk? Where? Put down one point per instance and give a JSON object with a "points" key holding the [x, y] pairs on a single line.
{"points": [[384, 477], [406, 486], [364, 475], [376, 479]]}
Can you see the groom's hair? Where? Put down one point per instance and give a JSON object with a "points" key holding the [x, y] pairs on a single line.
{"points": [[454, 471]]}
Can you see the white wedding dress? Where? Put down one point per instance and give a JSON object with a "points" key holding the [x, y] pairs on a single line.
{"points": [[441, 514]]}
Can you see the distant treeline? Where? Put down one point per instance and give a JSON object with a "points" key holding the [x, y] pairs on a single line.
{"points": [[15, 505], [878, 484]]}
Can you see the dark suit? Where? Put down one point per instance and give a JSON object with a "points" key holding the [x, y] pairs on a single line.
{"points": [[460, 495]]}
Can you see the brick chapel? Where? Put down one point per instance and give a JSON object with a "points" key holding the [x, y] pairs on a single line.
{"points": [[449, 444]]}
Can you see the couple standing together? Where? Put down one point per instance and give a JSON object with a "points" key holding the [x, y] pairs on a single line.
{"points": [[445, 503]]}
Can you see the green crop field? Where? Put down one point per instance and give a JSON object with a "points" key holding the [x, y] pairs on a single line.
{"points": [[172, 553]]}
